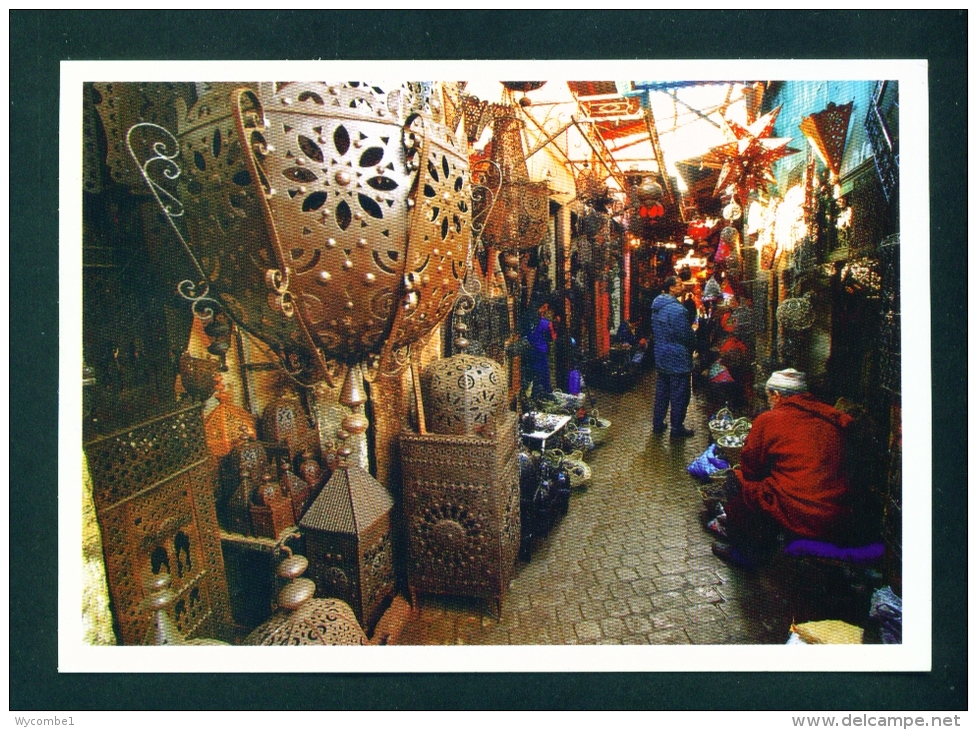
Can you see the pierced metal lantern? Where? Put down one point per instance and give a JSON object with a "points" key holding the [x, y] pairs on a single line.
{"points": [[284, 422], [349, 542], [302, 620], [463, 392], [330, 220], [197, 375], [796, 314], [518, 218], [461, 508], [228, 425], [730, 236], [827, 131]]}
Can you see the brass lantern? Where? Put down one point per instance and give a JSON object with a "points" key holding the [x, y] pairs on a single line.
{"points": [[348, 535], [463, 392], [518, 219], [330, 220], [302, 620]]}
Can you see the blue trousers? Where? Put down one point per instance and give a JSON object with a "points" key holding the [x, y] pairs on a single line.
{"points": [[671, 390], [540, 365]]}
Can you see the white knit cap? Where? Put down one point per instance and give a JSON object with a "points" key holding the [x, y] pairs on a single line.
{"points": [[788, 381]]}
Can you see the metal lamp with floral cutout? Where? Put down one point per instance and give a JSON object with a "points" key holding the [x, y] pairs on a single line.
{"points": [[331, 221]]}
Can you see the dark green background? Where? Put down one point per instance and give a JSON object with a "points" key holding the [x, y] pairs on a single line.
{"points": [[40, 39]]}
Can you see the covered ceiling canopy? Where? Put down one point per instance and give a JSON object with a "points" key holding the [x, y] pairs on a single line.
{"points": [[618, 130]]}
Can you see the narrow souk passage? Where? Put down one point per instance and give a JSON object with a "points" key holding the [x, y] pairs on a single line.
{"points": [[630, 563]]}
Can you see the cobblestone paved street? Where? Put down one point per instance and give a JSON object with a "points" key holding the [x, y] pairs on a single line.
{"points": [[629, 564]]}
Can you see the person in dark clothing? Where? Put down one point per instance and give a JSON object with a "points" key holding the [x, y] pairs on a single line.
{"points": [[627, 333], [561, 349], [688, 301], [674, 339]]}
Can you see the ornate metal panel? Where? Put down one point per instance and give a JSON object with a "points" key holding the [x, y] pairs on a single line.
{"points": [[154, 497], [376, 567], [882, 126], [461, 503], [357, 569], [333, 565]]}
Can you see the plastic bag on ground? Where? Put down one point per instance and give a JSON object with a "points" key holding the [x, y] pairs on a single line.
{"points": [[707, 463]]}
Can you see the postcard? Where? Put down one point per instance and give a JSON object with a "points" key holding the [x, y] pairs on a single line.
{"points": [[306, 322]]}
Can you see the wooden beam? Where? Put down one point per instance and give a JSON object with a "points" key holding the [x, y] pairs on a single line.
{"points": [[698, 113]]}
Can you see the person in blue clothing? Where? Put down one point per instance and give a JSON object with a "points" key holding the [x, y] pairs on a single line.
{"points": [[674, 339], [539, 351], [627, 334]]}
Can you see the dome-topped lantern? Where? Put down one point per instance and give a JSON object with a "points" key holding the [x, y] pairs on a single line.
{"points": [[302, 620], [524, 87], [329, 220], [463, 392]]}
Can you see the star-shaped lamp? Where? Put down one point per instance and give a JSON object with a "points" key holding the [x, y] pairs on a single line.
{"points": [[746, 161]]}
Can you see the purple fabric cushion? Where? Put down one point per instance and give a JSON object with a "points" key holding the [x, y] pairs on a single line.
{"points": [[817, 549]]}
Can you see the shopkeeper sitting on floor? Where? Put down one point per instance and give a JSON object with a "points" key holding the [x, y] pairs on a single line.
{"points": [[791, 476], [627, 334]]}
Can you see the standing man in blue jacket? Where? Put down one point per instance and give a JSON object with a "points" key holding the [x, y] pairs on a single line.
{"points": [[674, 340]]}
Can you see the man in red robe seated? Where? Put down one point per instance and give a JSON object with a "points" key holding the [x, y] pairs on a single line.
{"points": [[791, 476]]}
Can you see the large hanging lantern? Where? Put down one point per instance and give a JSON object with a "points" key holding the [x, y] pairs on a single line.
{"points": [[645, 206], [518, 219], [331, 221]]}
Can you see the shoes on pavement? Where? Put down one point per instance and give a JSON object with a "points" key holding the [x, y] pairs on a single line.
{"points": [[658, 430], [683, 433], [730, 554]]}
